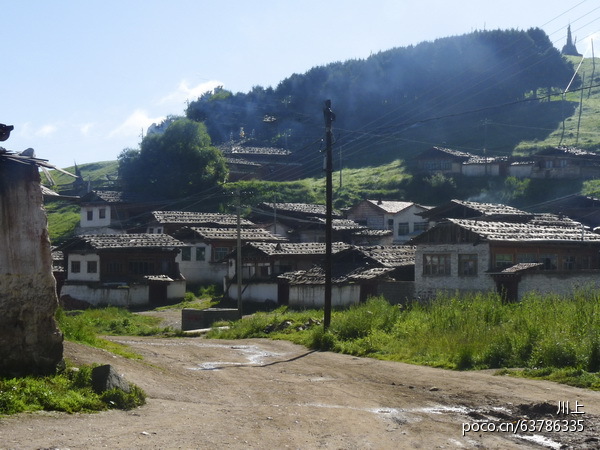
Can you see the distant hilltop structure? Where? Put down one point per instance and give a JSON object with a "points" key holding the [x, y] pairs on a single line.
{"points": [[570, 48]]}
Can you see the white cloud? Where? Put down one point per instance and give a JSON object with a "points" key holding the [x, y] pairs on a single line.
{"points": [[134, 124], [46, 130], [85, 128], [186, 92]]}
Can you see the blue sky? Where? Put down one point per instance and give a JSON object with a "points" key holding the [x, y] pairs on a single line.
{"points": [[82, 79]]}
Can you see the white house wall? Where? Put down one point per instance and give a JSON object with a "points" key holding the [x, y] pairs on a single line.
{"points": [[201, 272], [136, 295], [255, 292], [83, 275], [96, 221], [427, 286], [313, 296], [407, 215]]}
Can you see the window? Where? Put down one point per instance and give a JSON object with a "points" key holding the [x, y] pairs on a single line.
{"points": [[436, 264], [549, 260], [390, 224], [75, 266], [403, 228], [527, 258], [421, 226], [220, 253], [467, 265], [114, 267], [92, 267], [186, 254], [503, 260], [200, 253], [90, 214], [569, 263], [102, 213], [150, 230], [141, 267], [264, 271]]}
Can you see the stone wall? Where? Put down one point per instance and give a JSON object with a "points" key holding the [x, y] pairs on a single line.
{"points": [[30, 342]]}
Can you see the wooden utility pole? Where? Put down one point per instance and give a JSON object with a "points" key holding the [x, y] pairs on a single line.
{"points": [[329, 118], [238, 268]]}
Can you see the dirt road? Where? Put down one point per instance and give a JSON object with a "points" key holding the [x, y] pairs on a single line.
{"points": [[255, 394]]}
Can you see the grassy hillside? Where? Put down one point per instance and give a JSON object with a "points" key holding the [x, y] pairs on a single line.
{"points": [[582, 128]]}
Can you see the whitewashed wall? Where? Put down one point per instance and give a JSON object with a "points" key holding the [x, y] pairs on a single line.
{"points": [[427, 286], [313, 296]]}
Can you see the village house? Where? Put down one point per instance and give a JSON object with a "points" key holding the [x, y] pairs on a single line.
{"points": [[465, 209], [262, 262], [203, 256], [565, 162], [545, 254], [169, 222], [401, 218], [125, 270], [113, 212], [441, 160], [303, 222], [247, 162], [581, 208], [357, 273]]}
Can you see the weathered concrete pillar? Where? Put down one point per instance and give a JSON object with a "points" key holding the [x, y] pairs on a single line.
{"points": [[30, 341]]}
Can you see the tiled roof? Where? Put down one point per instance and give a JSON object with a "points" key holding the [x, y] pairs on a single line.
{"points": [[567, 151], [241, 150], [246, 234], [390, 207], [505, 231], [304, 208], [390, 255], [116, 197], [296, 248], [316, 275], [521, 267], [197, 218], [341, 224], [489, 208], [114, 241]]}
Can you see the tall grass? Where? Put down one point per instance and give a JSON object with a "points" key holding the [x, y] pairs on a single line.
{"points": [[471, 332]]}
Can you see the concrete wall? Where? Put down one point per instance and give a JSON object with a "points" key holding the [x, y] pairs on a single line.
{"points": [[560, 283], [96, 221], [313, 296], [427, 286], [125, 296], [83, 274], [255, 292], [201, 271]]}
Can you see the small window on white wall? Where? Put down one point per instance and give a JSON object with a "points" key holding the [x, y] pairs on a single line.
{"points": [[92, 267], [75, 266], [90, 214]]}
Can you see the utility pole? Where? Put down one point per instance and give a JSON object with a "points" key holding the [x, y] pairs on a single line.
{"points": [[238, 262], [329, 118]]}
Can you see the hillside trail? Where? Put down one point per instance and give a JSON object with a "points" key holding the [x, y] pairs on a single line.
{"points": [[257, 393]]}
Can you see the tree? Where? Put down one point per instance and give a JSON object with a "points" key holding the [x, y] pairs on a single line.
{"points": [[177, 163]]}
